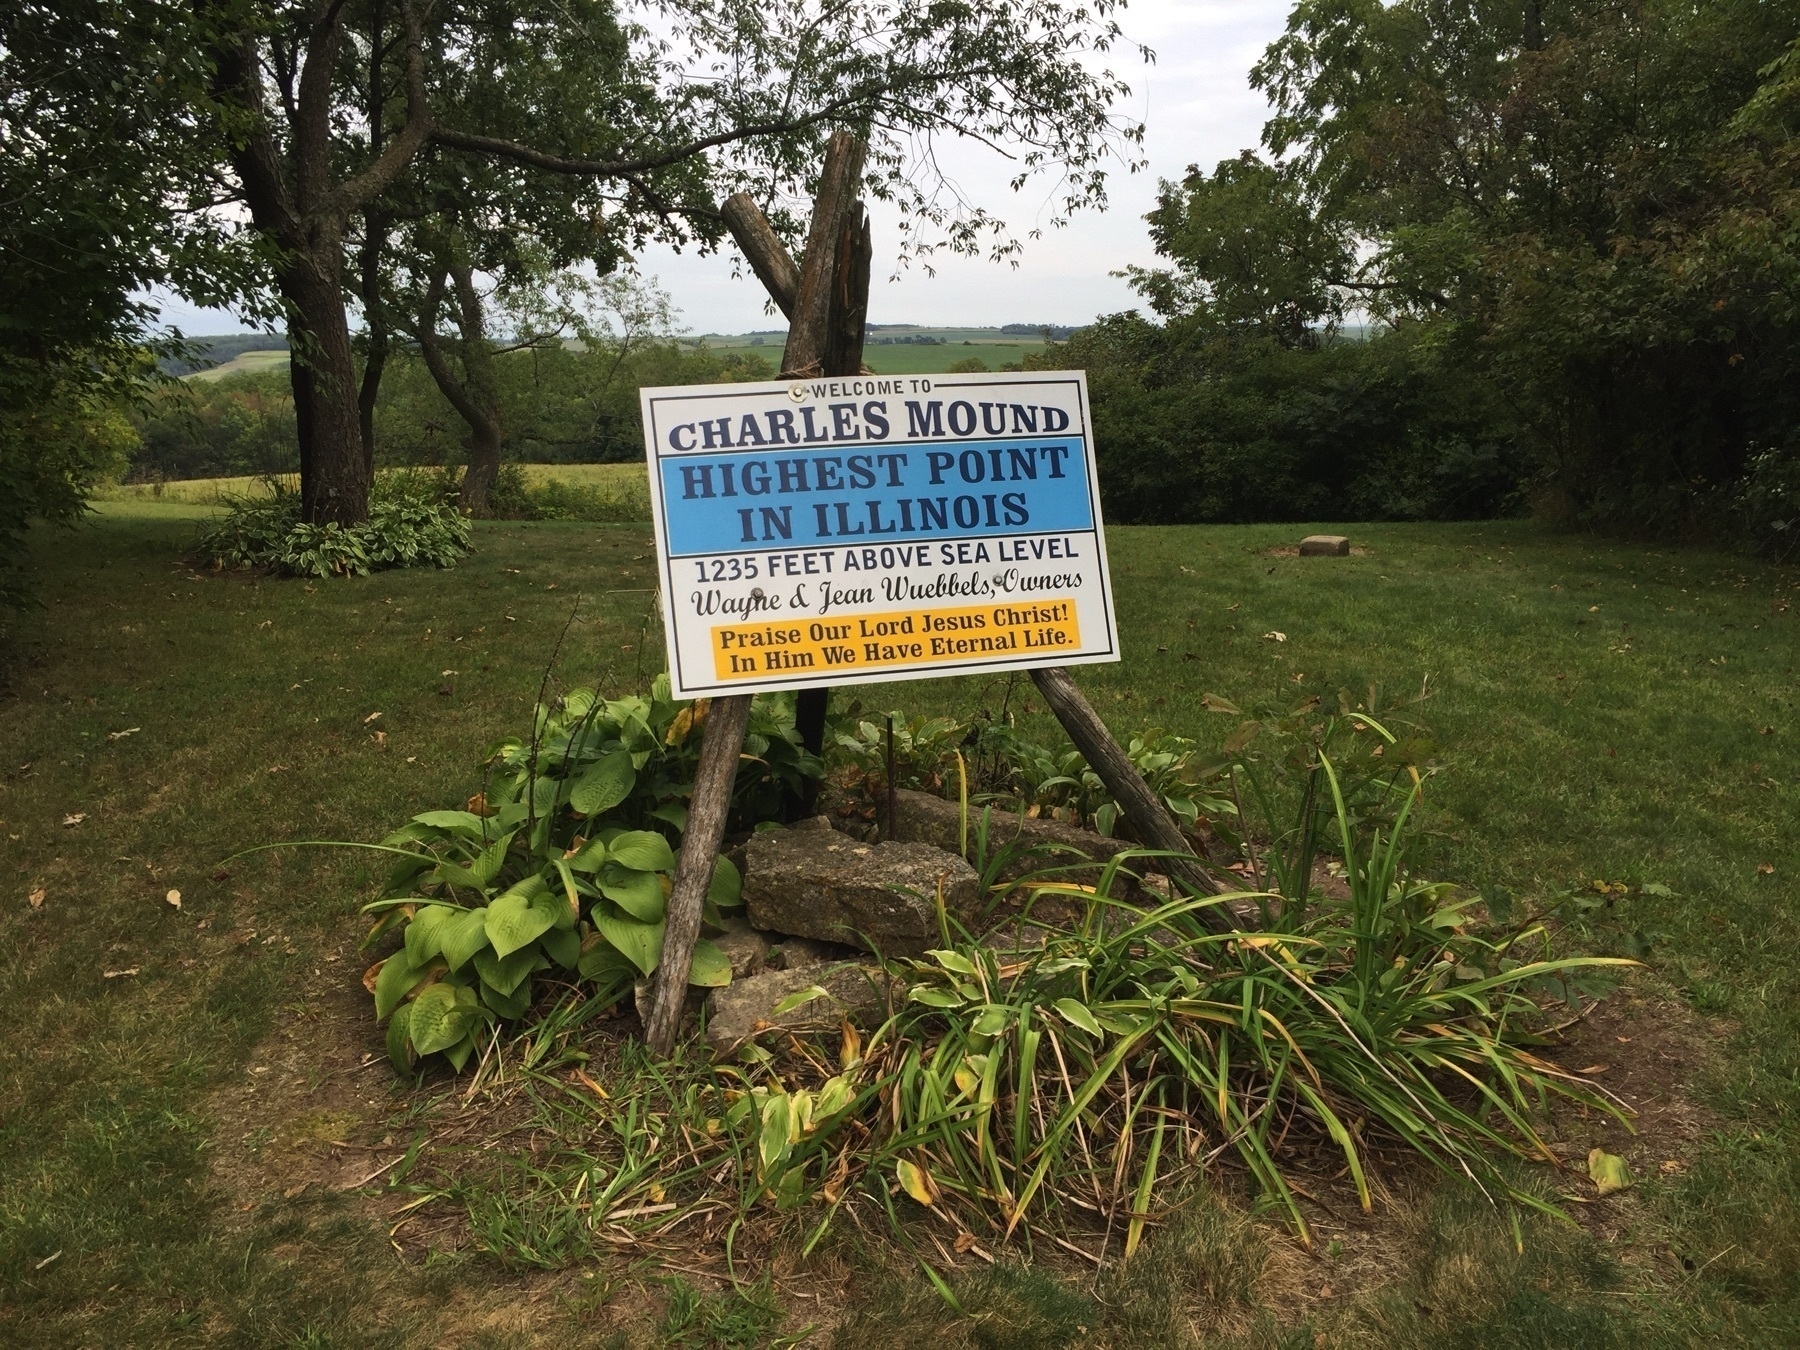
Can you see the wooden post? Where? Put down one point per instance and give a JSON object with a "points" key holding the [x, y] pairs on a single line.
{"points": [[838, 230], [1155, 827], [846, 264]]}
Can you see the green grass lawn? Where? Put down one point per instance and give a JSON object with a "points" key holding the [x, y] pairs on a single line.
{"points": [[1605, 711]]}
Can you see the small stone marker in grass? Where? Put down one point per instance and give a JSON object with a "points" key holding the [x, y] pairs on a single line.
{"points": [[1325, 546]]}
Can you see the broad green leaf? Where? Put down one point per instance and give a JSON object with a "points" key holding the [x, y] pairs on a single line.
{"points": [[396, 1039], [726, 890], [955, 961], [641, 849], [711, 967], [592, 854], [639, 894], [563, 945], [460, 822], [508, 1007], [424, 935], [676, 813], [458, 1054], [504, 974], [1608, 1171], [607, 782], [438, 1020], [1077, 1015], [517, 918], [461, 937], [602, 960], [398, 977], [492, 859], [642, 942]]}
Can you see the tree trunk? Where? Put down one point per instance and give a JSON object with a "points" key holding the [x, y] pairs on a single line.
{"points": [[475, 396], [334, 478]]}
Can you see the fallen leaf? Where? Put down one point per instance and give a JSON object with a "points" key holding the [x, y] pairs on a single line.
{"points": [[915, 1181], [36, 897], [70, 822], [129, 731], [370, 718], [449, 673], [1673, 1167], [119, 974], [1607, 1171], [221, 875], [1324, 1291], [381, 738], [1765, 869], [48, 1259], [1593, 609], [1593, 1068], [478, 805], [1768, 731], [1274, 637], [174, 899]]}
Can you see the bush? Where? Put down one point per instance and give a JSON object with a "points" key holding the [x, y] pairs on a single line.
{"points": [[413, 522], [513, 496], [562, 864]]}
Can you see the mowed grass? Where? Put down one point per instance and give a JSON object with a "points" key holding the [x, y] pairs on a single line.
{"points": [[1606, 711]]}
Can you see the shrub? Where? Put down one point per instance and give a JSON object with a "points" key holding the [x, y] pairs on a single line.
{"points": [[561, 865], [412, 523]]}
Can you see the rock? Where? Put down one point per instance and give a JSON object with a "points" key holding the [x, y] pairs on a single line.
{"points": [[796, 953], [1325, 546], [881, 897], [744, 1008], [928, 819], [744, 947]]}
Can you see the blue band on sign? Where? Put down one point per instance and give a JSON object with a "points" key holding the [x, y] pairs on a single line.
{"points": [[770, 500]]}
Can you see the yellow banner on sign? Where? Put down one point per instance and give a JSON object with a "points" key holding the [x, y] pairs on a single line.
{"points": [[908, 637]]}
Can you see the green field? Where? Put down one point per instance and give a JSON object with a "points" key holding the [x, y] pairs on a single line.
{"points": [[960, 344], [199, 1130]]}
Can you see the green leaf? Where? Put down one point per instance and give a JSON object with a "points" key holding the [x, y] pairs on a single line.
{"points": [[641, 849], [563, 945], [639, 894], [607, 782], [1077, 1015], [676, 813], [726, 890], [592, 854], [642, 942], [504, 974], [459, 822], [424, 935], [517, 918], [396, 1039], [461, 937], [458, 1054], [493, 857], [711, 967], [954, 961], [507, 1007], [397, 978], [439, 1019], [603, 960], [772, 1141], [934, 997]]}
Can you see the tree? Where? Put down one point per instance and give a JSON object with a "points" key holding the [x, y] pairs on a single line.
{"points": [[95, 155], [318, 149], [1597, 207]]}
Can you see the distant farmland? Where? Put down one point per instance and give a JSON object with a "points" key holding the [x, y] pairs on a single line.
{"points": [[885, 353]]}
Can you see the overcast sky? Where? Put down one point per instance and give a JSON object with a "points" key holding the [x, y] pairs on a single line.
{"points": [[1197, 106]]}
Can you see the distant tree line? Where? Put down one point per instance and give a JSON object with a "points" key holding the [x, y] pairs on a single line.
{"points": [[558, 405], [1573, 231]]}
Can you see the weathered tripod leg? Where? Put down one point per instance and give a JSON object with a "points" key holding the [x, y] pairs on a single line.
{"points": [[710, 804], [1148, 817]]}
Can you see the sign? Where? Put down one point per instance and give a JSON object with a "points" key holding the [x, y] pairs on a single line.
{"points": [[876, 527]]}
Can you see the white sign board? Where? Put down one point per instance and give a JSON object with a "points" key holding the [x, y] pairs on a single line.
{"points": [[876, 527]]}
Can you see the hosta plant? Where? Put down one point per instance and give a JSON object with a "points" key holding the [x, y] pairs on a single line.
{"points": [[560, 869]]}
